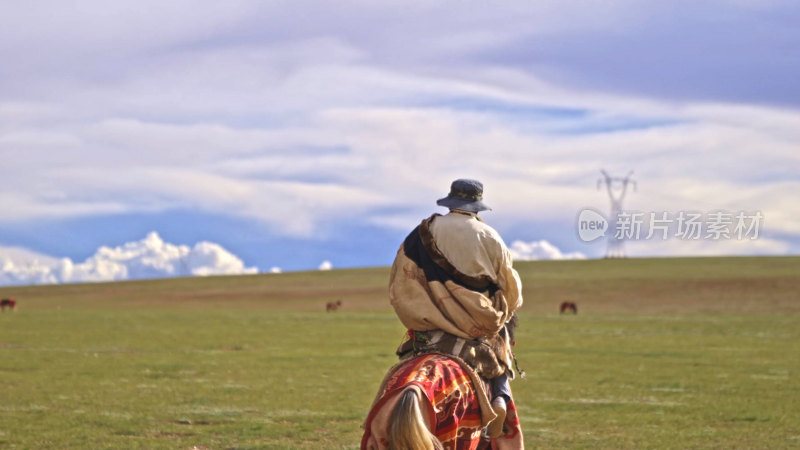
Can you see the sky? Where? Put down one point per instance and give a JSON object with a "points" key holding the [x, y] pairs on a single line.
{"points": [[299, 135]]}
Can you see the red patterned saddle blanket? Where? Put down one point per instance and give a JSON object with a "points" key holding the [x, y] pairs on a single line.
{"points": [[454, 405]]}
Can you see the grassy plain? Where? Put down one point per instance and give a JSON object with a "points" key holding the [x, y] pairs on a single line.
{"points": [[664, 353]]}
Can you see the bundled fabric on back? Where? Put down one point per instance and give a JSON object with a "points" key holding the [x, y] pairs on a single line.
{"points": [[429, 293]]}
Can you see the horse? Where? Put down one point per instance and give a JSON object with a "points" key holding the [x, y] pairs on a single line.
{"points": [[568, 306], [7, 302], [333, 306], [430, 402]]}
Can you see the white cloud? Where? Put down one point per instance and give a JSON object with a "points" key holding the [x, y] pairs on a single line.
{"points": [[35, 272], [536, 250], [325, 265], [275, 269], [150, 257]]}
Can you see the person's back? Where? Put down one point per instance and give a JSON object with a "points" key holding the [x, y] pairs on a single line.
{"points": [[469, 244]]}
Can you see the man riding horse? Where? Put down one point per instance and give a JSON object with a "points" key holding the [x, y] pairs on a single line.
{"points": [[453, 286]]}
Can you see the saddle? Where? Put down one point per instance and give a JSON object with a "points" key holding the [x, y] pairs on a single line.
{"points": [[488, 357]]}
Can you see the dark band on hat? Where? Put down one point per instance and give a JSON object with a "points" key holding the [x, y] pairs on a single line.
{"points": [[462, 194]]}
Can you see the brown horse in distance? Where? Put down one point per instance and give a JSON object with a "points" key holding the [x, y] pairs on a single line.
{"points": [[568, 307], [8, 302], [333, 306]]}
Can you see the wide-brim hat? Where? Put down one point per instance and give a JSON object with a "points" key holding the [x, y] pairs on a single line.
{"points": [[466, 195]]}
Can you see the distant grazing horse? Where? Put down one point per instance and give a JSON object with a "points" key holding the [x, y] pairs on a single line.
{"points": [[430, 402], [331, 306], [10, 302], [568, 306]]}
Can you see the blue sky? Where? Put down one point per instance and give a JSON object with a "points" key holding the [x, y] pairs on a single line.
{"points": [[292, 133]]}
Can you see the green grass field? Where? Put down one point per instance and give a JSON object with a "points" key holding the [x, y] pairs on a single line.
{"points": [[664, 353]]}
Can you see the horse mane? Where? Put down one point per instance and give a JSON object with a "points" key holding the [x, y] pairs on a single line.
{"points": [[407, 428]]}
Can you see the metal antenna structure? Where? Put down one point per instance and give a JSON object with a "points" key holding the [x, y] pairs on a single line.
{"points": [[617, 188]]}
